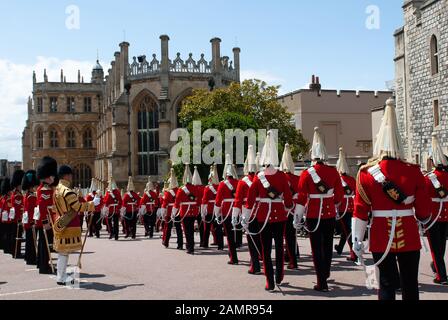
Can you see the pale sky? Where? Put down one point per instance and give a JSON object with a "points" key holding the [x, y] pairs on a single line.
{"points": [[348, 43]]}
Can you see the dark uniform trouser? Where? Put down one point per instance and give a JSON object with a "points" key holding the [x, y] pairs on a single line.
{"points": [[291, 242], [130, 221], [206, 227], [43, 260], [167, 227], [96, 224], [149, 220], [322, 248], [6, 236], [437, 240], [2, 235], [274, 231], [188, 224], [200, 223], [346, 230], [115, 225], [391, 279], [255, 248], [228, 230], [238, 236], [30, 249]]}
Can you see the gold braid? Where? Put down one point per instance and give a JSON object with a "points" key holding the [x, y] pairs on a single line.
{"points": [[361, 190]]}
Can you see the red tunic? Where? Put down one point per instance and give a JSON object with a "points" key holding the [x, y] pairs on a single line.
{"points": [[44, 202], [348, 202], [30, 202], [131, 201], [307, 189], [169, 198], [242, 189], [209, 196], [188, 204], [6, 207], [150, 200], [409, 179], [442, 176], [225, 196], [113, 201], [17, 204], [278, 211]]}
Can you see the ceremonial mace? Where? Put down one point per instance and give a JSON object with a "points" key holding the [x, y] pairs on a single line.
{"points": [[85, 236]]}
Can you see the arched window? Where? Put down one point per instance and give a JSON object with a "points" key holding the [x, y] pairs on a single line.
{"points": [[82, 176], [148, 137], [54, 142], [434, 55], [87, 139], [39, 138], [71, 138]]}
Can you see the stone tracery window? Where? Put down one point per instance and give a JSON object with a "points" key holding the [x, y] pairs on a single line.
{"points": [[148, 137], [82, 176], [54, 140], [39, 138], [71, 138], [87, 139]]}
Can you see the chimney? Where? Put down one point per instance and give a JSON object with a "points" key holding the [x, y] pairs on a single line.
{"points": [[45, 75], [79, 76], [315, 84], [62, 75], [236, 61], [216, 55], [164, 40]]}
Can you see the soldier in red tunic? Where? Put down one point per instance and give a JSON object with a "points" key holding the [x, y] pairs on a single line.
{"points": [[169, 200], [186, 206], [29, 185], [320, 190], [225, 199], [16, 213], [112, 203], [149, 204], [395, 193], [345, 210], [249, 223], [208, 204], [437, 231], [5, 208], [288, 167], [95, 226], [271, 188], [129, 209], [47, 173]]}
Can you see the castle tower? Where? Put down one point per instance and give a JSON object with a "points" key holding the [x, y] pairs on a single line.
{"points": [[97, 73]]}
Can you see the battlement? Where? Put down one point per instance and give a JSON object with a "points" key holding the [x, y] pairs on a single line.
{"points": [[338, 93]]}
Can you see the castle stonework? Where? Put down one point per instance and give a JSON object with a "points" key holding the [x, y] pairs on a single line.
{"points": [[134, 110], [421, 76]]}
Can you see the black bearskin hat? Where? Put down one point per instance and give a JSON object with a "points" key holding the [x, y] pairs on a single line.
{"points": [[5, 187], [30, 180], [64, 170], [48, 167], [17, 177]]}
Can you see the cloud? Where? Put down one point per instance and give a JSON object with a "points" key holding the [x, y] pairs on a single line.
{"points": [[16, 85]]}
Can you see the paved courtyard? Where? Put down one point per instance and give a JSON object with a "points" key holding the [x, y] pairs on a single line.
{"points": [[144, 269]]}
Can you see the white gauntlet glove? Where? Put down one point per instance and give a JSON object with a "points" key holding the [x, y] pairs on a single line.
{"points": [[245, 217], [174, 213], [163, 213], [218, 213], [299, 212], [12, 214], [203, 211], [123, 211], [358, 231], [235, 216], [96, 201], [104, 211]]}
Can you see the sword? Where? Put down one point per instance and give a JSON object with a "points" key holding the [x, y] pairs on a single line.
{"points": [[33, 231], [48, 248], [84, 242]]}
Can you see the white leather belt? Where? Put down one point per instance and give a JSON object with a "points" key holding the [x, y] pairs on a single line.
{"points": [[438, 200], [392, 213], [212, 201], [150, 203], [171, 205], [188, 203], [113, 205], [349, 197], [269, 200], [131, 203], [295, 197], [228, 201], [321, 196]]}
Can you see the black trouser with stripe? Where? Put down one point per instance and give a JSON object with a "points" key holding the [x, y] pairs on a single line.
{"points": [[291, 242], [200, 223], [188, 224], [322, 248], [274, 231], [43, 259], [206, 229], [130, 221], [404, 275], [115, 225], [255, 248], [149, 220], [6, 238], [168, 226], [30, 247], [229, 232], [437, 240]]}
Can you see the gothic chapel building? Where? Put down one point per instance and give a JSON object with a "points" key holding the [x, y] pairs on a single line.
{"points": [[120, 121]]}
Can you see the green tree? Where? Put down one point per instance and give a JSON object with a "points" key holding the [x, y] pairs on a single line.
{"points": [[252, 102]]}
